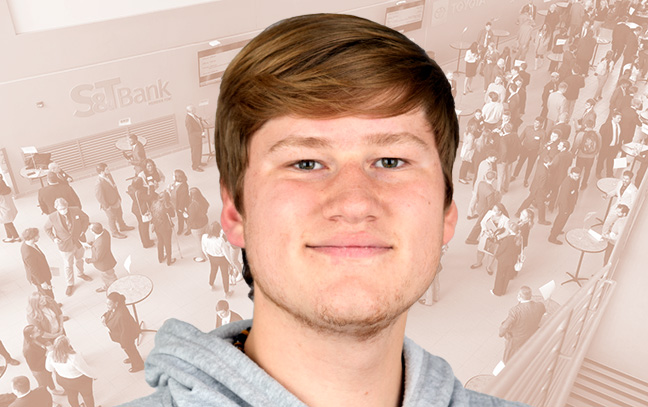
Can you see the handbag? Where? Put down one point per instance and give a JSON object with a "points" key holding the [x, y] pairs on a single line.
{"points": [[146, 217], [490, 246], [520, 261]]}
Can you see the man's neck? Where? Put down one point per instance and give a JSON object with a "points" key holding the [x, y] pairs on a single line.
{"points": [[327, 369]]}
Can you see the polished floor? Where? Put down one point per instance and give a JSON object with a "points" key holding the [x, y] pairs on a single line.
{"points": [[462, 327]]}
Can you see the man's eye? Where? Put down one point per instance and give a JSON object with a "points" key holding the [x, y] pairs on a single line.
{"points": [[390, 162], [307, 165]]}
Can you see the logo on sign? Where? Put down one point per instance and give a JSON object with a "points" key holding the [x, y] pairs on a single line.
{"points": [[110, 94]]}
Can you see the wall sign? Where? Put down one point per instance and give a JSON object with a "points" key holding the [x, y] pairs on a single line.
{"points": [[405, 17]]}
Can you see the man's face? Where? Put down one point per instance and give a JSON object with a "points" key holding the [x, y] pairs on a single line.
{"points": [[344, 219], [553, 137], [536, 125], [63, 210], [617, 118], [626, 180]]}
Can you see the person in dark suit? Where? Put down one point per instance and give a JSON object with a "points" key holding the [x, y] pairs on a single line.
{"points": [[109, 200], [559, 171], [137, 155], [161, 213], [66, 227], [538, 191], [102, 257], [123, 329], [565, 202], [179, 192], [610, 132], [195, 128], [54, 190], [141, 208], [39, 397], [36, 266], [506, 254], [522, 322], [224, 315]]}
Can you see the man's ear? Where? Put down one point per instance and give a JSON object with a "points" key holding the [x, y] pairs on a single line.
{"points": [[231, 220], [449, 222]]}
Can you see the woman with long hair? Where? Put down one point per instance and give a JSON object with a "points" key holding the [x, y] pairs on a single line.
{"points": [[123, 329], [8, 212], [72, 372], [161, 213], [141, 208], [213, 245], [471, 59], [35, 352], [44, 313], [541, 46], [197, 220], [152, 176]]}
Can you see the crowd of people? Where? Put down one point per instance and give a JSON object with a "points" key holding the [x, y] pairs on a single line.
{"points": [[163, 212], [552, 152]]}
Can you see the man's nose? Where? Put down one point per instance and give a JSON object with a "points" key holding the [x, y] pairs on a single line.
{"points": [[353, 196]]}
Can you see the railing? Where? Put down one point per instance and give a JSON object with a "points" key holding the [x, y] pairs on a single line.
{"points": [[542, 373]]}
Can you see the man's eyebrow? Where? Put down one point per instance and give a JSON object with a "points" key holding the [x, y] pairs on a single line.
{"points": [[379, 139], [299, 141]]}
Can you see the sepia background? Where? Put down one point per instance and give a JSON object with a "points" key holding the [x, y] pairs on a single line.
{"points": [[78, 76]]}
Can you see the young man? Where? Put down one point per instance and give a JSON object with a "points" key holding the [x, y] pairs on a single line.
{"points": [[522, 322], [348, 127], [107, 195], [26, 397], [102, 257]]}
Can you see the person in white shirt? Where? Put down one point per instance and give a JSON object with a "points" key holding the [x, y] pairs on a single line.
{"points": [[492, 111], [72, 372], [213, 245], [224, 315]]}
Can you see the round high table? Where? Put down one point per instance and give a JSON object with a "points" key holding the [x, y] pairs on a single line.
{"points": [[580, 239], [459, 46], [34, 173], [499, 34], [124, 145], [607, 186], [136, 288]]}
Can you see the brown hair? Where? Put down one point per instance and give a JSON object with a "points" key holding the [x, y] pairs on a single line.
{"points": [[328, 66]]}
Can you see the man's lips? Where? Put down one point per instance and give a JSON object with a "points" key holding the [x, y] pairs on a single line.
{"points": [[351, 246]]}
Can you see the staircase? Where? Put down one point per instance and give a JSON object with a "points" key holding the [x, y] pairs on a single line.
{"points": [[600, 386]]}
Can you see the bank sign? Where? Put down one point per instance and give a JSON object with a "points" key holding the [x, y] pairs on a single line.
{"points": [[111, 94]]}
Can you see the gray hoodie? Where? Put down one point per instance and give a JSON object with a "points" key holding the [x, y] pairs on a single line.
{"points": [[190, 368]]}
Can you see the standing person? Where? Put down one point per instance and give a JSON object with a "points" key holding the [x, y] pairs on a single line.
{"points": [[587, 145], [509, 244], [525, 223], [556, 105], [195, 127], [197, 220], [467, 152], [137, 155], [538, 191], [471, 59], [213, 245], [610, 132], [613, 229], [350, 331], [565, 202], [102, 257], [521, 323], [36, 266], [179, 192], [109, 200], [54, 190], [602, 73], [489, 63], [123, 329], [141, 208], [66, 227], [531, 139], [45, 314], [585, 52], [492, 111], [72, 372], [549, 88], [8, 212], [35, 353], [224, 315], [541, 46], [487, 164], [487, 197], [492, 225], [525, 35], [26, 397], [558, 172], [575, 82], [161, 213]]}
